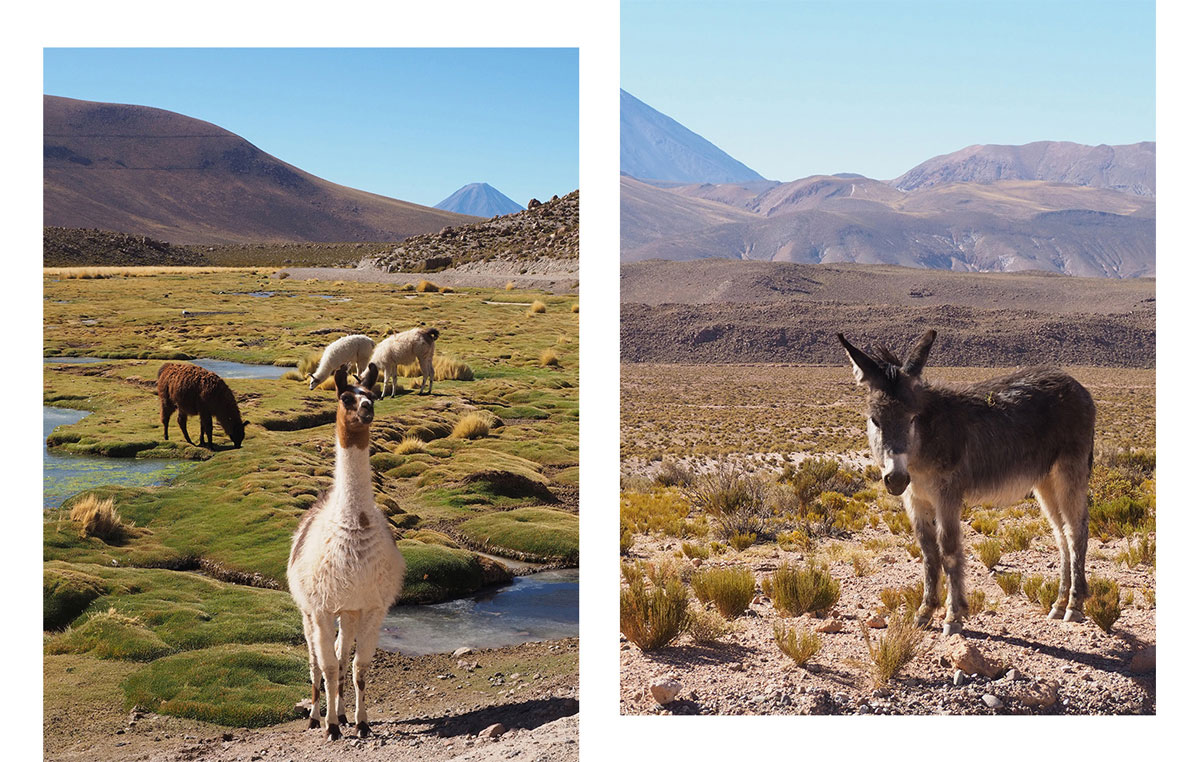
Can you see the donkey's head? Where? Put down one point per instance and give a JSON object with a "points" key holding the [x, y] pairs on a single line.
{"points": [[894, 406], [356, 406]]}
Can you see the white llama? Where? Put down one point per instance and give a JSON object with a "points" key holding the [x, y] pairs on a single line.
{"points": [[354, 351], [415, 344], [345, 564]]}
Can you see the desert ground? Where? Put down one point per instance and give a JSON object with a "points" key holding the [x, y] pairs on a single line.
{"points": [[170, 635], [737, 478]]}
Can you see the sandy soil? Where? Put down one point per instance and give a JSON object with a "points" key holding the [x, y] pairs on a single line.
{"points": [[555, 276], [748, 674], [423, 708]]}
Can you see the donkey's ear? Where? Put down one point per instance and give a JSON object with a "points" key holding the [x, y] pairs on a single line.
{"points": [[372, 374], [340, 378], [886, 355], [920, 353], [866, 370]]}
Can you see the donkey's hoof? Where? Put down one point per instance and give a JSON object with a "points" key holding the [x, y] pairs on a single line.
{"points": [[342, 719], [333, 733], [924, 615], [951, 628], [313, 722], [1056, 613], [364, 730], [1073, 615]]}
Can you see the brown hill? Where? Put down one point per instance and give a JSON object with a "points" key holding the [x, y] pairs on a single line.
{"points": [[721, 311], [73, 247], [152, 172]]}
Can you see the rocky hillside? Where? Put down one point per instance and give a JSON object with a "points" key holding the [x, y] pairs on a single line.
{"points": [[75, 247], [148, 171], [542, 233]]}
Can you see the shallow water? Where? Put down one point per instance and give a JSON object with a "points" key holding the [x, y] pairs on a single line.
{"points": [[223, 368], [541, 606], [67, 475]]}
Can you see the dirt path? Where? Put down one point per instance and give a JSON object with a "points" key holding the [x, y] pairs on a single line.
{"points": [[421, 708], [472, 276]]}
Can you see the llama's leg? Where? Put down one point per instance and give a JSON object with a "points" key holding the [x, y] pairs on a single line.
{"points": [[949, 536], [347, 634], [183, 426], [921, 515], [394, 375], [323, 628], [427, 372], [1049, 499], [368, 636], [1075, 533], [167, 410], [314, 714], [206, 428]]}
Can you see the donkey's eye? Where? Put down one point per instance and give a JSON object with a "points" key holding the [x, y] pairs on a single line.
{"points": [[874, 422]]}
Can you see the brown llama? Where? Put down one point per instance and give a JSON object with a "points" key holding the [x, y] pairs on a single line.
{"points": [[192, 390]]}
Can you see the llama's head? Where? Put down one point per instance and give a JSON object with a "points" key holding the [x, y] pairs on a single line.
{"points": [[356, 406], [237, 432], [894, 407], [312, 382]]}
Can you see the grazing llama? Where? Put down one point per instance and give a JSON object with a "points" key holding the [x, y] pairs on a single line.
{"points": [[345, 564], [192, 390], [415, 344], [938, 445], [353, 351]]}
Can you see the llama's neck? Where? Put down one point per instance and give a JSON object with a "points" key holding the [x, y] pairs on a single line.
{"points": [[352, 487]]}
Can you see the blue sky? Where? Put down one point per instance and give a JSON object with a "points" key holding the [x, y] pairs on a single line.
{"points": [[413, 124], [871, 86]]}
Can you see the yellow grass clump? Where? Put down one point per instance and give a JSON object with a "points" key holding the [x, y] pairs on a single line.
{"points": [[537, 307], [446, 290], [408, 287], [509, 286], [445, 368], [473, 426], [97, 517], [426, 287], [548, 359], [575, 307], [409, 445]]}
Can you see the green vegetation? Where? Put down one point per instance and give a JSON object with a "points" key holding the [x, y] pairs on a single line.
{"points": [[707, 627], [796, 591], [729, 588], [898, 645], [989, 553], [739, 504], [797, 647], [1009, 582], [534, 533], [652, 616], [1103, 604], [661, 511]]}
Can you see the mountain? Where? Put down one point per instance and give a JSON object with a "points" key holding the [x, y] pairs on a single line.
{"points": [[1126, 168], [656, 147], [147, 171], [479, 200]]}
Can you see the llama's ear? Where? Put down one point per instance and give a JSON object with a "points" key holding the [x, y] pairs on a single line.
{"points": [[372, 374], [920, 353], [866, 370], [340, 380]]}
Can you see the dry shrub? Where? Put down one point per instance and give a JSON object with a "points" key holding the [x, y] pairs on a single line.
{"points": [[740, 504], [707, 626], [425, 287], [816, 476], [898, 645], [741, 541], [510, 286], [1042, 591], [989, 552], [798, 647], [985, 523], [548, 359], [1103, 605], [651, 617], [1139, 550], [1019, 536], [409, 445], [473, 426], [861, 563], [695, 550], [730, 589], [660, 510], [97, 518], [672, 473], [976, 601], [537, 307], [1009, 582], [795, 591]]}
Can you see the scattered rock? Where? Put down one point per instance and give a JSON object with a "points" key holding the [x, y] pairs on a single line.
{"points": [[696, 562], [665, 691], [461, 652], [992, 701], [829, 625], [1012, 674], [877, 621], [494, 730], [1040, 695], [303, 708], [957, 652], [959, 677], [1142, 661]]}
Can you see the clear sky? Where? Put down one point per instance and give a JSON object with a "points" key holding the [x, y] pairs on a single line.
{"points": [[870, 86], [414, 124]]}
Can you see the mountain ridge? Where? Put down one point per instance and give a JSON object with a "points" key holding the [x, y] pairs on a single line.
{"points": [[478, 200]]}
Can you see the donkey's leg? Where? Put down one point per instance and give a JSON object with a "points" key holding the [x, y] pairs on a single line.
{"points": [[347, 634], [921, 516], [323, 627], [368, 636], [949, 535], [1048, 497], [1073, 488], [314, 671]]}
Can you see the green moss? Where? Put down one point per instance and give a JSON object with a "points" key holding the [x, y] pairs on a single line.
{"points": [[540, 533], [110, 635], [240, 686], [435, 572], [65, 595]]}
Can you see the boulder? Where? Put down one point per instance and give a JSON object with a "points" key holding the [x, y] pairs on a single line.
{"points": [[665, 691], [958, 653], [1040, 695], [1142, 661]]}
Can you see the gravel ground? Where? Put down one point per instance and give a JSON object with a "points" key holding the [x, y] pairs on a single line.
{"points": [[555, 276], [747, 674]]}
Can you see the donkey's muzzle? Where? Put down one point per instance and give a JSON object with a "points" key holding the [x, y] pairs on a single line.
{"points": [[896, 482]]}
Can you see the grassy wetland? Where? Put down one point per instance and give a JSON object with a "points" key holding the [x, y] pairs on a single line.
{"points": [[171, 599], [765, 570]]}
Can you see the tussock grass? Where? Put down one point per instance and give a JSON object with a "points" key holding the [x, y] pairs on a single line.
{"points": [[799, 647], [707, 627], [409, 445], [445, 368], [898, 645], [652, 616], [96, 517], [989, 553], [795, 591], [537, 308], [1017, 537], [510, 286], [1103, 605], [1009, 582], [473, 426], [111, 635], [548, 359], [729, 588], [660, 511], [1141, 550], [427, 287], [742, 540], [986, 523]]}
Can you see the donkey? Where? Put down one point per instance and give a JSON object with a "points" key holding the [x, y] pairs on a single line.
{"points": [[938, 445]]}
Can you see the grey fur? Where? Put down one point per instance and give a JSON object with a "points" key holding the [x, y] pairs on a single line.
{"points": [[996, 440]]}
